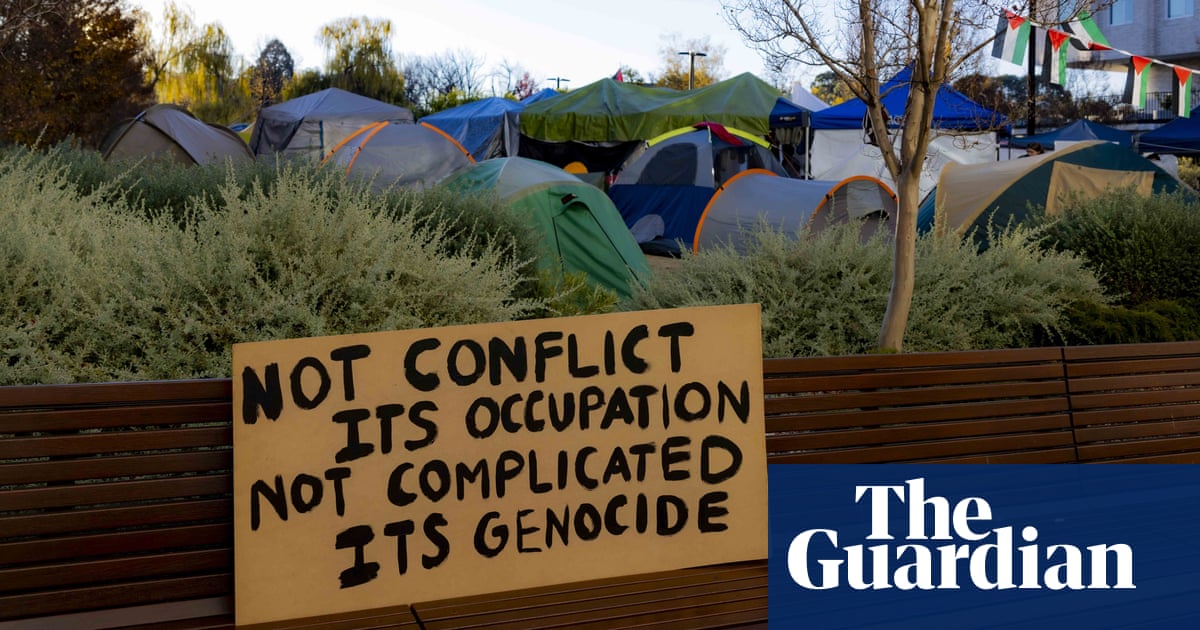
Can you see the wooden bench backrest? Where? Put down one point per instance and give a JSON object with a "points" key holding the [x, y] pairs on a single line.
{"points": [[1136, 403], [119, 495], [114, 495], [1007, 406]]}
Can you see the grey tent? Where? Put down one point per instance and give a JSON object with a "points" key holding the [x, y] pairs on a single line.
{"points": [[168, 132], [758, 196], [311, 126], [399, 154]]}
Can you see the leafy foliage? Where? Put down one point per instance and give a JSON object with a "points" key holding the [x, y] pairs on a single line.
{"points": [[103, 285], [1142, 248], [677, 66], [825, 294], [70, 70], [270, 73]]}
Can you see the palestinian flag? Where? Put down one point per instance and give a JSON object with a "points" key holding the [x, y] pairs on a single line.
{"points": [[1181, 92], [1012, 38], [1054, 64], [1137, 80], [1085, 35]]}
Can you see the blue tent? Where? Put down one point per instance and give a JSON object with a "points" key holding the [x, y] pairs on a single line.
{"points": [[952, 110], [1181, 135], [476, 124], [788, 114], [1077, 131], [479, 125], [540, 95]]}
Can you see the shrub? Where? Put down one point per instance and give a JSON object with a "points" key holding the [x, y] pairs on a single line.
{"points": [[1142, 248], [102, 289], [826, 294], [1152, 322]]}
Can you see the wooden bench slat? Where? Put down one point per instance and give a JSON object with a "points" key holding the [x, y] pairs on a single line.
{"points": [[115, 492], [144, 540], [914, 415], [911, 379], [114, 570], [1136, 430], [599, 607], [143, 392], [175, 512], [926, 450], [900, 398], [1133, 399], [1064, 455], [910, 360], [750, 606], [117, 466], [1136, 414], [1131, 351], [1169, 458], [1138, 381], [111, 417], [390, 617], [914, 433], [98, 597], [114, 442], [1132, 366], [1110, 450]]}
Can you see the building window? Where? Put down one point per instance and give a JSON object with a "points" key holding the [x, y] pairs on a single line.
{"points": [[1179, 8], [1121, 12]]}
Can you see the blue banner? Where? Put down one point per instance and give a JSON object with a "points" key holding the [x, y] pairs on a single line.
{"points": [[989, 546]]}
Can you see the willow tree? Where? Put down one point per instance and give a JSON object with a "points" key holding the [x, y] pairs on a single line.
{"points": [[359, 58], [874, 39]]}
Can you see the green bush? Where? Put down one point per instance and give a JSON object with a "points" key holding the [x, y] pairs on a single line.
{"points": [[826, 294], [101, 287], [1142, 248], [1152, 322]]}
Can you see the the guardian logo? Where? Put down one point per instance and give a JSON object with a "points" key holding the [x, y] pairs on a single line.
{"points": [[970, 553]]}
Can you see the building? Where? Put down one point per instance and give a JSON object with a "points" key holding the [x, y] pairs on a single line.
{"points": [[1165, 30]]}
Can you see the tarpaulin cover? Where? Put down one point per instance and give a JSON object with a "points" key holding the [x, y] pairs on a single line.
{"points": [[951, 109]]}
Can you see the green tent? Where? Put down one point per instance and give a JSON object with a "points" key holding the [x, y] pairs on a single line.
{"points": [[969, 196], [609, 111], [581, 229]]}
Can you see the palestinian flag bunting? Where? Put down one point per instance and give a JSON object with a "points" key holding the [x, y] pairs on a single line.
{"points": [[1137, 80], [1054, 65], [1181, 92], [1012, 38], [1085, 34]]}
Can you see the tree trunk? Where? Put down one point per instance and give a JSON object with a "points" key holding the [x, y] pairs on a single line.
{"points": [[895, 319]]}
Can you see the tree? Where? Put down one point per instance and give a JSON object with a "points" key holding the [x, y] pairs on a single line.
{"points": [[677, 68], [359, 59], [443, 80], [70, 68], [630, 75], [830, 88], [195, 66], [271, 73], [879, 37]]}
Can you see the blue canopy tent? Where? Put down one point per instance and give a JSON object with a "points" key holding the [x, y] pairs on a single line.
{"points": [[475, 125], [480, 125], [1181, 135], [951, 109], [1077, 131]]}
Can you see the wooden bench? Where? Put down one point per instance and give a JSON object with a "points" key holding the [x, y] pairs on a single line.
{"points": [[1004, 406], [116, 509], [1136, 403]]}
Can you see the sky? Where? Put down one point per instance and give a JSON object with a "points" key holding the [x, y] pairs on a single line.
{"points": [[578, 41]]}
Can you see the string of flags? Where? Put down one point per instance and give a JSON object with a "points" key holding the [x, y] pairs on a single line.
{"points": [[1014, 33]]}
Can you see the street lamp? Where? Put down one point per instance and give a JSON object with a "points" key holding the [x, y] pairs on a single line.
{"points": [[692, 67], [558, 81]]}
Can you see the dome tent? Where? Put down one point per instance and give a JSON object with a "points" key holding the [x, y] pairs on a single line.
{"points": [[581, 230], [399, 154], [970, 196], [758, 197], [170, 132], [310, 126], [673, 176]]}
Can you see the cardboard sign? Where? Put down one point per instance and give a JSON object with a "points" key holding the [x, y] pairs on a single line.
{"points": [[391, 468]]}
